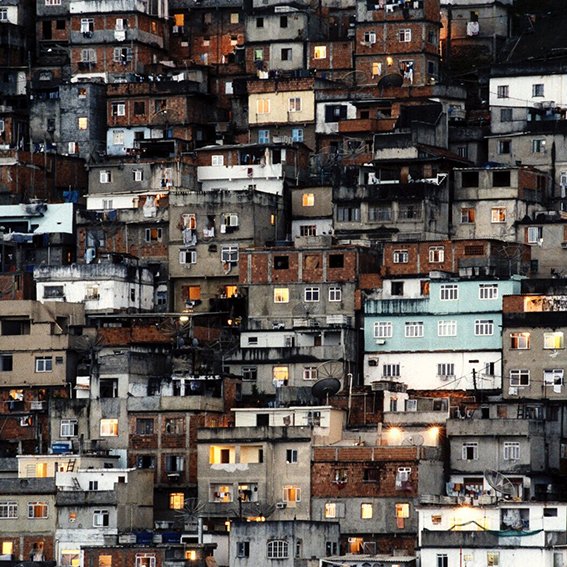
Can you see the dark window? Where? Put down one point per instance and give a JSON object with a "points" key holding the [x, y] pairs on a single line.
{"points": [[139, 107], [242, 549], [259, 22], [501, 179], [109, 387], [397, 288], [469, 179], [262, 419], [15, 327], [145, 462], [225, 456], [335, 112], [60, 24], [371, 475], [283, 21], [6, 363], [281, 262], [336, 261], [534, 265], [550, 512], [144, 426], [474, 250]]}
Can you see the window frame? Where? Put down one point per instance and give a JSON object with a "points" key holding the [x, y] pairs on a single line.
{"points": [[449, 292], [519, 377], [414, 329], [312, 294], [484, 327]]}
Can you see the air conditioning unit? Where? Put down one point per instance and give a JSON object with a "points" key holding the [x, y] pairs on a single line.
{"points": [[564, 245], [277, 139], [380, 342], [281, 505]]}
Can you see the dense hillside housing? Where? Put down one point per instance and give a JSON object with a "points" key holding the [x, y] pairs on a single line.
{"points": [[282, 282]]}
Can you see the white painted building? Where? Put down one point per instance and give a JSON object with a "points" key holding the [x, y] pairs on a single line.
{"points": [[506, 534], [104, 287]]}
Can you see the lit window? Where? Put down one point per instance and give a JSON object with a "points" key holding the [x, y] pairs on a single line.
{"points": [[105, 561], [37, 510], [311, 294], [280, 374], [483, 327], [553, 340], [176, 501], [263, 106], [447, 328], [511, 451], [520, 341], [83, 122], [7, 547], [366, 511], [109, 427], [493, 558], [467, 215], [335, 294], [291, 494], [519, 377], [234, 17], [402, 513], [449, 292], [414, 329], [488, 291], [376, 68], [383, 330], [308, 199], [281, 295], [320, 52]]}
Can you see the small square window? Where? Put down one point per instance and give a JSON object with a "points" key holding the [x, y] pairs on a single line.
{"points": [[503, 91]]}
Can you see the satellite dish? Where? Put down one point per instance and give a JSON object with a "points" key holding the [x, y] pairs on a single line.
{"points": [[499, 482], [326, 387], [391, 80], [415, 440]]}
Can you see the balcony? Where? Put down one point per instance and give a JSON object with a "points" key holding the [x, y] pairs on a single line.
{"points": [[366, 125], [494, 427], [237, 172]]}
